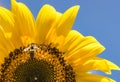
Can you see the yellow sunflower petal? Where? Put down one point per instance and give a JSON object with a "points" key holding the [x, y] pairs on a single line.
{"points": [[51, 36], [24, 21], [44, 21], [71, 41], [62, 26], [51, 26], [94, 64], [112, 65], [65, 23], [6, 19], [88, 47], [7, 22], [92, 78], [5, 45]]}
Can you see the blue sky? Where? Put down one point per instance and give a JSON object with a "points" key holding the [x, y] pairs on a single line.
{"points": [[99, 18]]}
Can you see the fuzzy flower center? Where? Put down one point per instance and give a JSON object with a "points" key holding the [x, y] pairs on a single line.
{"points": [[36, 63]]}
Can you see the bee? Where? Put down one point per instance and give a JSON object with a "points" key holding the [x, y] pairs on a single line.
{"points": [[31, 49]]}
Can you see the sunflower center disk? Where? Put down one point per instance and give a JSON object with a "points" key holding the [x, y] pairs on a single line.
{"points": [[35, 71], [36, 63]]}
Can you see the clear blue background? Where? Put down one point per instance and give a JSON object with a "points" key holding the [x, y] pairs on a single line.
{"points": [[99, 18]]}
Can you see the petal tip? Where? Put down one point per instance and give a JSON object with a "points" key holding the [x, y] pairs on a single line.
{"points": [[47, 6], [13, 3], [76, 7]]}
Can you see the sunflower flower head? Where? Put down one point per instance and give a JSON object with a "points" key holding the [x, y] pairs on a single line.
{"points": [[46, 49]]}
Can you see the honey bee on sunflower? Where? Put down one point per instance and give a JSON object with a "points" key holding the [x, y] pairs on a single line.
{"points": [[47, 49]]}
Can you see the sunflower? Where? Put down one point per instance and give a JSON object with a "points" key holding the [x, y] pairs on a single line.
{"points": [[46, 49]]}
